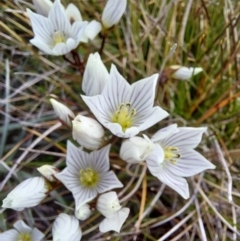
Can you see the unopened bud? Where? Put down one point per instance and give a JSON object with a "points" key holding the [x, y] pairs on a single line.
{"points": [[87, 132]]}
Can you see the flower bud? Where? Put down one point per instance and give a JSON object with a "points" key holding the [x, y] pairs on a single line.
{"points": [[48, 172], [108, 205], [83, 212], [73, 13], [95, 76], [185, 73], [113, 12], [42, 6], [66, 228], [28, 193], [136, 149], [87, 132], [63, 112]]}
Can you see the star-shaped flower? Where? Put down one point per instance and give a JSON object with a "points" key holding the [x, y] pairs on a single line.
{"points": [[126, 109], [55, 34], [170, 155], [22, 232], [87, 174]]}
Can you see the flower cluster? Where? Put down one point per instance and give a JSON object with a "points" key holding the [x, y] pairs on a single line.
{"points": [[117, 110], [59, 30]]}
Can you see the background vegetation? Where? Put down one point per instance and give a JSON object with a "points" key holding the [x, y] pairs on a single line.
{"points": [[207, 33]]}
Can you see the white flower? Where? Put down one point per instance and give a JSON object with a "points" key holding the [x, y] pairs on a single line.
{"points": [[55, 34], [42, 6], [173, 157], [28, 193], [48, 172], [87, 132], [21, 232], [62, 112], [185, 73], [95, 76], [87, 174], [73, 14], [83, 212], [108, 205], [126, 109], [66, 228], [113, 12]]}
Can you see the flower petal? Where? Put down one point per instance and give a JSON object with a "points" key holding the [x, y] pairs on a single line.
{"points": [[76, 158], [165, 132], [41, 26], [100, 159], [155, 159], [62, 112], [41, 45], [59, 19], [117, 91], [117, 130], [37, 235], [78, 31], [108, 182], [73, 13], [143, 93], [93, 29], [99, 107], [66, 228], [113, 12], [115, 223], [156, 115], [42, 6], [190, 163], [64, 48], [9, 235], [22, 227], [187, 137], [95, 76], [179, 184]]}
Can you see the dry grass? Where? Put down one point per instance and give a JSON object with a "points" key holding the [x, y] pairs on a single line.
{"points": [[207, 33]]}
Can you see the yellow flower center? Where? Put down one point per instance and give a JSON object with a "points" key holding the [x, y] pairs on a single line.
{"points": [[171, 154], [88, 177], [24, 237], [124, 116], [58, 37]]}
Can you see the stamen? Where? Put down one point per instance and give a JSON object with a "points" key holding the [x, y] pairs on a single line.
{"points": [[88, 177], [58, 37], [124, 115], [171, 155], [24, 237]]}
